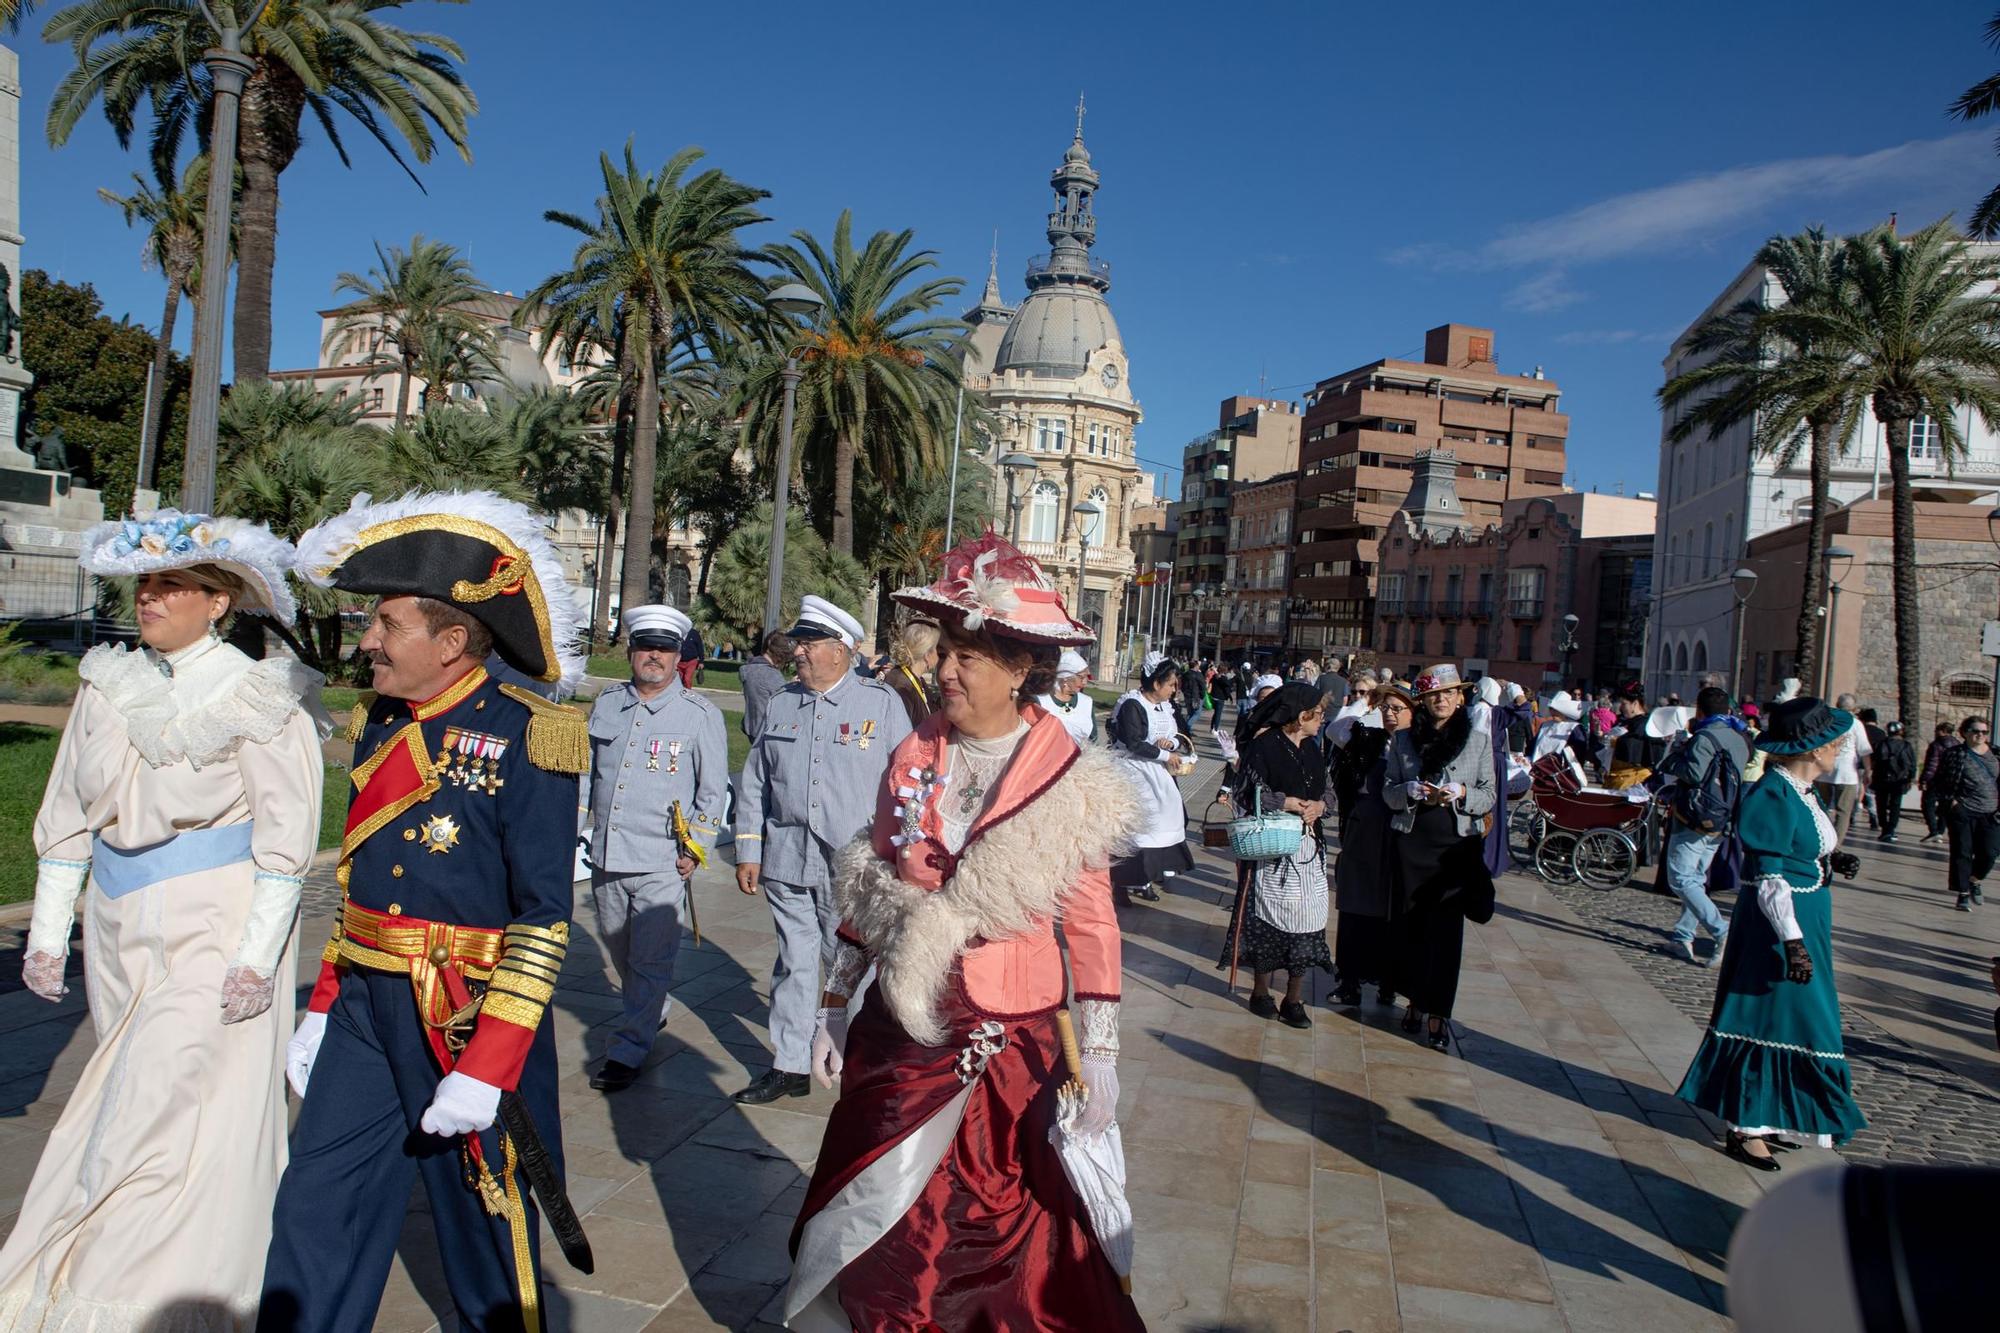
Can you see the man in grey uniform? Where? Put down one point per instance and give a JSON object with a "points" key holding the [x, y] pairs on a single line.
{"points": [[652, 743], [809, 786], [763, 676]]}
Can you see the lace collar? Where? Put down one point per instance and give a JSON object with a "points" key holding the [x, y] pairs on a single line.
{"points": [[202, 702], [1822, 825]]}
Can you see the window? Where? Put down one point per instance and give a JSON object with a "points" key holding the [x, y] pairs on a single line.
{"points": [[1681, 658], [1044, 512], [375, 401], [1524, 585], [1926, 445], [1729, 536], [1700, 662], [1666, 657], [1050, 435], [1968, 689], [1451, 639], [1525, 648], [563, 364], [1494, 439], [1707, 550], [1479, 638], [1093, 529]]}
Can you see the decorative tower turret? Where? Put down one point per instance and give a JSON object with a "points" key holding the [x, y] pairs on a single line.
{"points": [[1072, 226]]}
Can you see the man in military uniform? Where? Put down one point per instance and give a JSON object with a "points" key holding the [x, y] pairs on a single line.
{"points": [[808, 787], [657, 751], [456, 872]]}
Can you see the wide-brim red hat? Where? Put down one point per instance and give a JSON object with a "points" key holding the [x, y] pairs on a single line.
{"points": [[988, 584]]}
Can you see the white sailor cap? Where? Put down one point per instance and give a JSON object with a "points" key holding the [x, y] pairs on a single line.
{"points": [[821, 619], [656, 626], [1071, 663]]}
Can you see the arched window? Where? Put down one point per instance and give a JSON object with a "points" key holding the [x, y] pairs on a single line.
{"points": [[1707, 550], [1729, 536], [1045, 512], [1681, 658], [1700, 662], [1093, 532], [1666, 657]]}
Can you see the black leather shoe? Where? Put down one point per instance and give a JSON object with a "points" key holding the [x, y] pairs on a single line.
{"points": [[1263, 1006], [1733, 1147], [1439, 1036], [616, 1076], [1294, 1015], [1385, 996], [1146, 893], [1413, 1020], [1348, 997], [775, 1084]]}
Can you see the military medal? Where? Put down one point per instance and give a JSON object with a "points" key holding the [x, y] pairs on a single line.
{"points": [[440, 834], [846, 734], [653, 755], [673, 755], [911, 811], [867, 733]]}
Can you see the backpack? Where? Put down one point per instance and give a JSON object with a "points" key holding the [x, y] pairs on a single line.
{"points": [[1709, 806], [1898, 762]]}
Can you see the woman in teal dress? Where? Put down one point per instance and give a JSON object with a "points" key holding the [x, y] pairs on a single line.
{"points": [[1771, 1066]]}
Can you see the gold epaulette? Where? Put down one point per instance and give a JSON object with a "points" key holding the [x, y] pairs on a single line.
{"points": [[357, 722], [558, 737]]}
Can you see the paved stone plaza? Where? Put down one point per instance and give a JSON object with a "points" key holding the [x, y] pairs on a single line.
{"points": [[1538, 1177]]}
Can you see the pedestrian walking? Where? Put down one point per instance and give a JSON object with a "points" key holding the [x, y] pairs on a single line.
{"points": [[1153, 746], [1366, 870], [1943, 741], [1439, 783], [808, 787], [762, 677], [1067, 700], [938, 1200], [1843, 783], [1497, 706], [692, 657], [1221, 687], [432, 999], [1772, 1066], [1706, 773], [659, 779], [1894, 765], [1279, 921], [186, 793], [914, 657], [1968, 786]]}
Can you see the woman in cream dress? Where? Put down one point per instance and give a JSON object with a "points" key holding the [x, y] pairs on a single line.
{"points": [[183, 809]]}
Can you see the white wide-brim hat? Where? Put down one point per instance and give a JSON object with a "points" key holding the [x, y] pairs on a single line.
{"points": [[169, 539]]}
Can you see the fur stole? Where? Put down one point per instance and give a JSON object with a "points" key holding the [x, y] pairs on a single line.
{"points": [[1014, 875], [1438, 746]]}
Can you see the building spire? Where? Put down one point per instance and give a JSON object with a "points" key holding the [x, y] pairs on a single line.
{"points": [[1073, 224], [1079, 117], [992, 296]]}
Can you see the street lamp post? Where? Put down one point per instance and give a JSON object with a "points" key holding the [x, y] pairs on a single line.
{"points": [[228, 67], [1202, 593], [1019, 466], [1567, 647], [792, 298], [1088, 512], [1744, 581], [1828, 558], [951, 497]]}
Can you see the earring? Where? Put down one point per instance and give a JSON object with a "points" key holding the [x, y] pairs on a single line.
{"points": [[1014, 693]]}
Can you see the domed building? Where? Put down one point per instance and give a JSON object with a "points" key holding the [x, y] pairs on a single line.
{"points": [[1054, 374]]}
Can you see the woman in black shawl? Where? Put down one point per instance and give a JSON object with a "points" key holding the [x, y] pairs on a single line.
{"points": [[1364, 876], [1280, 915]]}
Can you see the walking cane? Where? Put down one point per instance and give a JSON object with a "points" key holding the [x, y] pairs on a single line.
{"points": [[1243, 873]]}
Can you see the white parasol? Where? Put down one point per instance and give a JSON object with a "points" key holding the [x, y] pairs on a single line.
{"points": [[1094, 1163]]}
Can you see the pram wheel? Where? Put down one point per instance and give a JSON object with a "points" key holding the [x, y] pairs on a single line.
{"points": [[1605, 859], [1555, 857], [1524, 831]]}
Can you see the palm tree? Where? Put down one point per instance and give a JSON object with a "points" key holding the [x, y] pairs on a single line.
{"points": [[703, 485], [1983, 99], [255, 418], [453, 449], [409, 297], [448, 358], [662, 269], [1915, 337], [878, 372], [1791, 397], [563, 453], [318, 56], [173, 214]]}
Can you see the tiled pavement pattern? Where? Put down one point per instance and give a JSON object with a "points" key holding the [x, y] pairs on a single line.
{"points": [[1539, 1177]]}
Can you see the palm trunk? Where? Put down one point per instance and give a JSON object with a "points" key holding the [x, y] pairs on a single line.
{"points": [[156, 391], [273, 101], [637, 583], [621, 449], [843, 493], [1903, 545], [403, 393], [1813, 594]]}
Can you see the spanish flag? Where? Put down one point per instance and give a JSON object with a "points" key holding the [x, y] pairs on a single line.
{"points": [[1144, 580]]}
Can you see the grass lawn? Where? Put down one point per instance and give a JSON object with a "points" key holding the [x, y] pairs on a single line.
{"points": [[26, 755]]}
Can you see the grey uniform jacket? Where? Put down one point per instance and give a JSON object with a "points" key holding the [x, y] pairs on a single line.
{"points": [[761, 680], [645, 754], [813, 774], [1472, 769]]}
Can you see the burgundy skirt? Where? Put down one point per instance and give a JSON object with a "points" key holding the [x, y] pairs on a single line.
{"points": [[997, 1239]]}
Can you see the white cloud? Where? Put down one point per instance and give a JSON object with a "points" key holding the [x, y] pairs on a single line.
{"points": [[1546, 291], [1614, 337]]}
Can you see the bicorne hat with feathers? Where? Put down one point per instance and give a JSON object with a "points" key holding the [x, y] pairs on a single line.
{"points": [[989, 584], [491, 558]]}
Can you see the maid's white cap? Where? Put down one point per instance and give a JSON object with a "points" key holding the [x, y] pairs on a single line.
{"points": [[821, 619], [1071, 663]]}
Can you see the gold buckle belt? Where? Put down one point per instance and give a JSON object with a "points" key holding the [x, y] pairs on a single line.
{"points": [[389, 943]]}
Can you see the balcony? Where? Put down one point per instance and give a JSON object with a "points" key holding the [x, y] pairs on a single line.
{"points": [[1417, 608], [1044, 262], [1388, 607], [1479, 608], [1451, 608], [1524, 608]]}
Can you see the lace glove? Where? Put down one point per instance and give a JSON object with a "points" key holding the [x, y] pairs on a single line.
{"points": [[42, 973], [246, 992], [463, 1105], [844, 969], [1798, 963], [58, 884], [829, 1045], [302, 1050], [1100, 1076]]}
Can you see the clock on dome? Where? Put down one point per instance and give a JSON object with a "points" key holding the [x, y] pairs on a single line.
{"points": [[1110, 376]]}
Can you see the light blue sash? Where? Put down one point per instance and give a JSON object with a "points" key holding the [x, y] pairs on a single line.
{"points": [[118, 872]]}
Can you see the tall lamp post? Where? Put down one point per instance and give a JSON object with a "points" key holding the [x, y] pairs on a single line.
{"points": [[1088, 514], [228, 67], [1831, 556], [1201, 595], [1567, 647], [1744, 581], [793, 298], [1019, 467]]}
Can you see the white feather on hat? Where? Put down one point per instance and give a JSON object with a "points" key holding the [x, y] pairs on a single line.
{"points": [[168, 539]]}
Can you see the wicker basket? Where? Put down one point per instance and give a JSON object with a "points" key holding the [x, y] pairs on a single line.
{"points": [[1262, 837]]}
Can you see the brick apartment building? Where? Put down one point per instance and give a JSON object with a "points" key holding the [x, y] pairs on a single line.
{"points": [[1256, 438], [1251, 620], [1363, 429]]}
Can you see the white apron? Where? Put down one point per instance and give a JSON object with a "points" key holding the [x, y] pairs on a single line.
{"points": [[1166, 816], [1076, 718]]}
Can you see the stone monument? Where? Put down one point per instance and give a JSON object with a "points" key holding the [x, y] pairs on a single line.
{"points": [[14, 376]]}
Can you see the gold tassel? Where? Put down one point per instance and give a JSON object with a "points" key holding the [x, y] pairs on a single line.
{"points": [[558, 737], [357, 721]]}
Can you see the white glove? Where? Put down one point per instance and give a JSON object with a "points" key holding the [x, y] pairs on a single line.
{"points": [[1455, 790], [1100, 1076], [1416, 793], [246, 992], [302, 1050], [42, 973], [463, 1105], [829, 1043]]}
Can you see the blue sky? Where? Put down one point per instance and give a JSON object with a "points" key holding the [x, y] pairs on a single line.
{"points": [[1289, 189]]}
